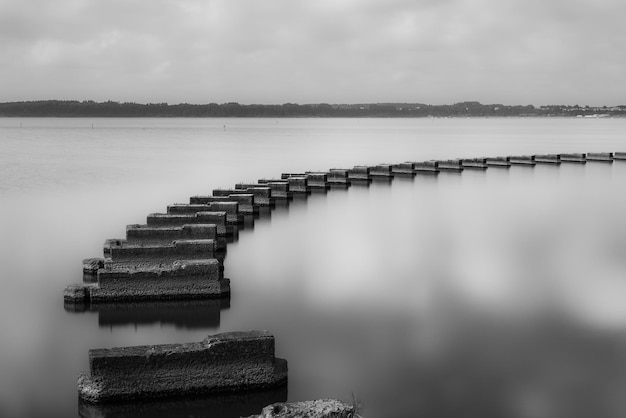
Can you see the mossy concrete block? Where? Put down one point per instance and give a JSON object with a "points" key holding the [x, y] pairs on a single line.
{"points": [[228, 362], [321, 408]]}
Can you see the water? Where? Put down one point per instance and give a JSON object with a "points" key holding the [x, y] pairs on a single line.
{"points": [[496, 293]]}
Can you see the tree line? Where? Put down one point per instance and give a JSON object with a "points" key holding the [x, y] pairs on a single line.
{"points": [[89, 108]]}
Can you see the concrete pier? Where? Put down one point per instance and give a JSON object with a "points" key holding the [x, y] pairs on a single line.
{"points": [[381, 170], [474, 163], [500, 162], [526, 160], [547, 159], [215, 218], [231, 208], [449, 165], [359, 173], [228, 362], [298, 184], [573, 158], [600, 156], [426, 167], [619, 155]]}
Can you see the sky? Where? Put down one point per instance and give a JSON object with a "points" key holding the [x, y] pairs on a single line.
{"points": [[318, 51]]}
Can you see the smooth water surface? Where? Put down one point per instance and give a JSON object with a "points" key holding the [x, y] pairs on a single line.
{"points": [[486, 293]]}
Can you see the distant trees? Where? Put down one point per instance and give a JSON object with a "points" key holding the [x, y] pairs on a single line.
{"points": [[89, 108]]}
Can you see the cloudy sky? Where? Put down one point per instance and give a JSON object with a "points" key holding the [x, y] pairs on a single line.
{"points": [[336, 51]]}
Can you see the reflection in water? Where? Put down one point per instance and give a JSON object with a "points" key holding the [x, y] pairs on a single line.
{"points": [[220, 406], [202, 314]]}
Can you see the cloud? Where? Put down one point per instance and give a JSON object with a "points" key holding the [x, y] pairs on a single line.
{"points": [[277, 51]]}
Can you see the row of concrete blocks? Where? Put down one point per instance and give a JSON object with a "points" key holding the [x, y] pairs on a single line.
{"points": [[174, 249]]}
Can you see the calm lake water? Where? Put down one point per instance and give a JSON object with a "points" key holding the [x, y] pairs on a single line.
{"points": [[497, 293]]}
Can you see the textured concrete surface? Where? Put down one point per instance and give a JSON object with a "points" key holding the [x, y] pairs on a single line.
{"points": [[321, 408], [234, 361]]}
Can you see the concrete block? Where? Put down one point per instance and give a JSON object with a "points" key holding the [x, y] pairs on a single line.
{"points": [[426, 167], [501, 162], [317, 180], [600, 156], [91, 265], [526, 160], [403, 169], [216, 218], [573, 158], [321, 408], [547, 159], [230, 207], [120, 254], [338, 176], [228, 362], [381, 170], [474, 163], [449, 165], [619, 155], [359, 173], [164, 235], [245, 202], [298, 185]]}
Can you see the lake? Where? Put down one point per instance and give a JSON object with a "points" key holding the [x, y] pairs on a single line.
{"points": [[486, 293]]}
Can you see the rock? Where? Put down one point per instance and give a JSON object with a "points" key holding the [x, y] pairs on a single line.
{"points": [[321, 408]]}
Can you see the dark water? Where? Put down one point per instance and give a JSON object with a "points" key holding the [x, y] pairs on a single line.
{"points": [[496, 293]]}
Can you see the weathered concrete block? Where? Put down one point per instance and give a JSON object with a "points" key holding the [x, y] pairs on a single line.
{"points": [[547, 159], [600, 156], [216, 218], [321, 408], [359, 173], [403, 169], [338, 176], [501, 162], [190, 279], [573, 158], [91, 265], [474, 163], [317, 180], [235, 361], [286, 176], [381, 170], [230, 207], [526, 160], [280, 189], [245, 202], [121, 254], [262, 193], [449, 165], [76, 293], [164, 235], [426, 167], [298, 184], [619, 155]]}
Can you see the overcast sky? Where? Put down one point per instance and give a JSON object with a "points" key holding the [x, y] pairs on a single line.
{"points": [[335, 51]]}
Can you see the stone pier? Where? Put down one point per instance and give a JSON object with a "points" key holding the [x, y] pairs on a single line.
{"points": [[228, 362]]}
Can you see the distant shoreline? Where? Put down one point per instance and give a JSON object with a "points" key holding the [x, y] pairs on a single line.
{"points": [[70, 108]]}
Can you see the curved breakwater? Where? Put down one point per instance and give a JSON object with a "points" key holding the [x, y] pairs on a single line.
{"points": [[179, 254]]}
